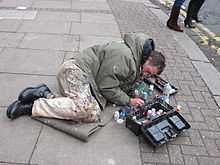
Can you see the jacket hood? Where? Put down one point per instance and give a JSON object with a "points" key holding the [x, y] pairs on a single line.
{"points": [[136, 42]]}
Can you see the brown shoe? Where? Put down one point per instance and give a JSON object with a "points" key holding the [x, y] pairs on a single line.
{"points": [[175, 27], [172, 21]]}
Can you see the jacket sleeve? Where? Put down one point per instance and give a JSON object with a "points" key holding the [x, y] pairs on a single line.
{"points": [[112, 92], [117, 70], [109, 85]]}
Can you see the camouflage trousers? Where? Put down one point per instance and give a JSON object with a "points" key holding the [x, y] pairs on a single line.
{"points": [[76, 103]]}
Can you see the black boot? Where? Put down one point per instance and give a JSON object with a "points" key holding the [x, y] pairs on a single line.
{"points": [[172, 21], [189, 24], [17, 109], [30, 94], [197, 19], [188, 21], [198, 4]]}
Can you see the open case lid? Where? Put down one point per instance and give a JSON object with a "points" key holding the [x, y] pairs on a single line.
{"points": [[164, 128], [81, 131], [159, 83]]}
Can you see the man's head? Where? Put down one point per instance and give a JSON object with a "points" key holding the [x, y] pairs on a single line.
{"points": [[154, 63]]}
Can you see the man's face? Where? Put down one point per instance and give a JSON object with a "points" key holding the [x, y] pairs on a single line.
{"points": [[149, 69]]}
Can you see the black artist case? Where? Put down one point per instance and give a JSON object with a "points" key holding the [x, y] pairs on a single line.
{"points": [[161, 129]]}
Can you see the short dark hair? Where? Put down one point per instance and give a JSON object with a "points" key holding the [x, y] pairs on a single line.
{"points": [[157, 59]]}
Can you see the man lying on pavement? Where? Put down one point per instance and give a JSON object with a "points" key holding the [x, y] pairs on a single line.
{"points": [[99, 74]]}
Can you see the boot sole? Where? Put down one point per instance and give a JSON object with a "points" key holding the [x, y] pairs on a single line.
{"points": [[10, 108], [170, 27]]}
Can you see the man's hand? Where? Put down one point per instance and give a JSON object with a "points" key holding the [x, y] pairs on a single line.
{"points": [[136, 102]]}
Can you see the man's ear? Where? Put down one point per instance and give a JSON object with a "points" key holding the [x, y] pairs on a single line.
{"points": [[149, 59]]}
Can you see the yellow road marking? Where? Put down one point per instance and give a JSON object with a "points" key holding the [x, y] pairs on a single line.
{"points": [[214, 47], [218, 51], [217, 39]]}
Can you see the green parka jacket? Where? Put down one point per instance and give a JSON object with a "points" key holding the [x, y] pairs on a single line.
{"points": [[114, 67]]}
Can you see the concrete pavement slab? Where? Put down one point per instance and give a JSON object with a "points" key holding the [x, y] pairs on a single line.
{"points": [[210, 75], [209, 160], [29, 15], [21, 61], [84, 5], [10, 39], [136, 1], [158, 12], [52, 4], [98, 18], [148, 4], [217, 99], [15, 3], [95, 29], [92, 0], [190, 160], [58, 16], [51, 42], [17, 14], [53, 27], [87, 41], [13, 84], [69, 55], [175, 154], [113, 144], [10, 163], [156, 158], [190, 47], [17, 138], [9, 25]]}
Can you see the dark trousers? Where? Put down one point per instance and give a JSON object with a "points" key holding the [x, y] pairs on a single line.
{"points": [[193, 9]]}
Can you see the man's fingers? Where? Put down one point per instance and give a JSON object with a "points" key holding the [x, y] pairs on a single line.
{"points": [[136, 101], [140, 102]]}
